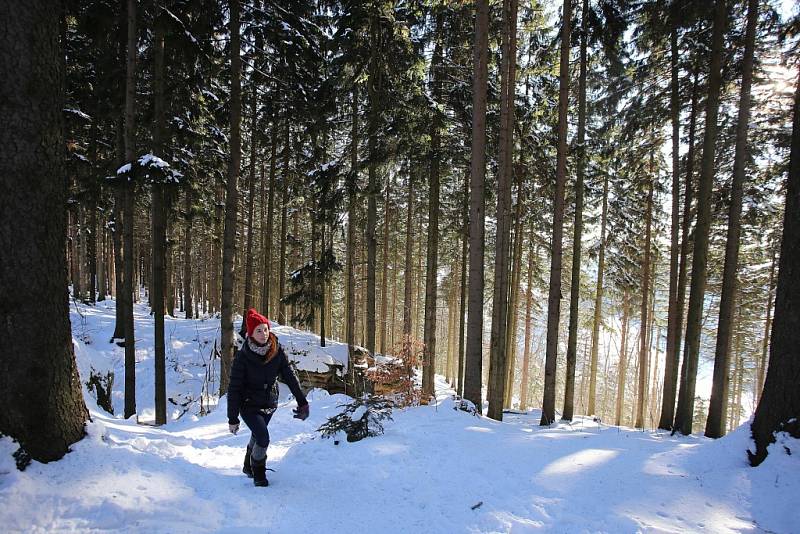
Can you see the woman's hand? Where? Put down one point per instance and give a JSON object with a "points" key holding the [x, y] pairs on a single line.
{"points": [[233, 429], [301, 412]]}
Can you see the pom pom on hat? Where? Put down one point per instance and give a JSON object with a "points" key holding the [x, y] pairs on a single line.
{"points": [[253, 319]]}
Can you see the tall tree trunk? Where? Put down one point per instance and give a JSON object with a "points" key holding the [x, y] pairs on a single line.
{"points": [[169, 292], [452, 310], [644, 348], [91, 252], [575, 284], [352, 185], [671, 355], [249, 283], [93, 199], [654, 391], [80, 251], [462, 306], [284, 224], [101, 258], [187, 254], [409, 279], [117, 224], [231, 201], [780, 400], [219, 218], [477, 208], [387, 222], [375, 93], [598, 302], [684, 412], [128, 202], [419, 309], [740, 373], [266, 302], [497, 341], [322, 292], [40, 390], [554, 295], [715, 424], [296, 254], [513, 300], [432, 263], [762, 362], [523, 386], [159, 231], [622, 368], [395, 264]]}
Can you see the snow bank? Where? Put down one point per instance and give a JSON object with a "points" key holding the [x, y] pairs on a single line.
{"points": [[435, 469]]}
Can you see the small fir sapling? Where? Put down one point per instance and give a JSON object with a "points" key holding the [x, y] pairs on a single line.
{"points": [[464, 405], [362, 417], [101, 386]]}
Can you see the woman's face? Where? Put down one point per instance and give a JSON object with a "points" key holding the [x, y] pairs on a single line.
{"points": [[260, 333]]}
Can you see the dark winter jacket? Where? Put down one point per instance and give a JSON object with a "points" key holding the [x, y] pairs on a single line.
{"points": [[252, 385]]}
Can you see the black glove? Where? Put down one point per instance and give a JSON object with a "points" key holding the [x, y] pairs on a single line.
{"points": [[301, 412]]}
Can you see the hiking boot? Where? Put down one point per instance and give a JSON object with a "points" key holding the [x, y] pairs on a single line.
{"points": [[246, 468], [260, 473]]}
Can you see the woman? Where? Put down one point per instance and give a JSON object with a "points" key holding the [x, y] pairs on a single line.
{"points": [[253, 391]]}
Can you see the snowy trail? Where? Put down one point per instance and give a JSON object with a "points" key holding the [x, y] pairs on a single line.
{"points": [[434, 470]]}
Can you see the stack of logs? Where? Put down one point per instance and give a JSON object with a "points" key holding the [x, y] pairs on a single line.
{"points": [[335, 380]]}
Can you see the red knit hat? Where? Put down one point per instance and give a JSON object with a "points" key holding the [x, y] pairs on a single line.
{"points": [[253, 319]]}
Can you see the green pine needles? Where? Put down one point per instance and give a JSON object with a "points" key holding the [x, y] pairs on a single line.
{"points": [[362, 417]]}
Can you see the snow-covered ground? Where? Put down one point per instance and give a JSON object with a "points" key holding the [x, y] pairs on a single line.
{"points": [[434, 470]]}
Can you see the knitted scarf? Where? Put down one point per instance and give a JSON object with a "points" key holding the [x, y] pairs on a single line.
{"points": [[266, 350]]}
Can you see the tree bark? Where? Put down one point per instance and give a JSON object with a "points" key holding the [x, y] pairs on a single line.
{"points": [[644, 347], [117, 225], [187, 254], [159, 232], [462, 306], [102, 260], [80, 249], [671, 363], [93, 199], [513, 300], [497, 341], [387, 222], [432, 263], [219, 218], [352, 185], [715, 424], [128, 203], [523, 386], [598, 302], [685, 410], [762, 363], [40, 389], [672, 357], [575, 283], [622, 368], [231, 201], [266, 293], [169, 290], [409, 279], [554, 295], [477, 209], [249, 284], [780, 401], [284, 223], [375, 90]]}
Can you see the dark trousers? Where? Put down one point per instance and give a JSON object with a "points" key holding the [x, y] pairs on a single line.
{"points": [[257, 423]]}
